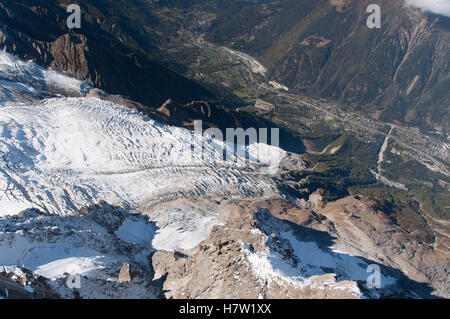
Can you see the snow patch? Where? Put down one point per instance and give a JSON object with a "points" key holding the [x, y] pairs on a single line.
{"points": [[267, 155], [28, 76], [136, 231], [183, 229], [278, 86]]}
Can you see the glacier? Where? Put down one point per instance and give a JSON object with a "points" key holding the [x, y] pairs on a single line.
{"points": [[60, 154]]}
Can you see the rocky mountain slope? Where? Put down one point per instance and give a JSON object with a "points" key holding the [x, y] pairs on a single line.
{"points": [[324, 48], [273, 249], [98, 53], [396, 73]]}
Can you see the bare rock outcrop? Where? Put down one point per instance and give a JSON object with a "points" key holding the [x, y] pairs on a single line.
{"points": [[252, 255]]}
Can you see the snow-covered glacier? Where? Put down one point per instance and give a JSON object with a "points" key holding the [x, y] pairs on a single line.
{"points": [[62, 154], [59, 154]]}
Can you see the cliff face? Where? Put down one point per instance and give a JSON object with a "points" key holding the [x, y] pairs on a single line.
{"points": [[324, 48]]}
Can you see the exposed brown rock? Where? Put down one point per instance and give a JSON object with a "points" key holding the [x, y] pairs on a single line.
{"points": [[124, 274]]}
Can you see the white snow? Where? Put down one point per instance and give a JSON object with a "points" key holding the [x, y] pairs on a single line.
{"points": [[70, 265], [29, 77], [314, 258], [278, 86], [184, 229], [136, 230], [17, 86], [271, 266], [61, 154], [12, 270], [10, 206], [50, 260], [267, 155], [66, 153], [308, 259]]}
